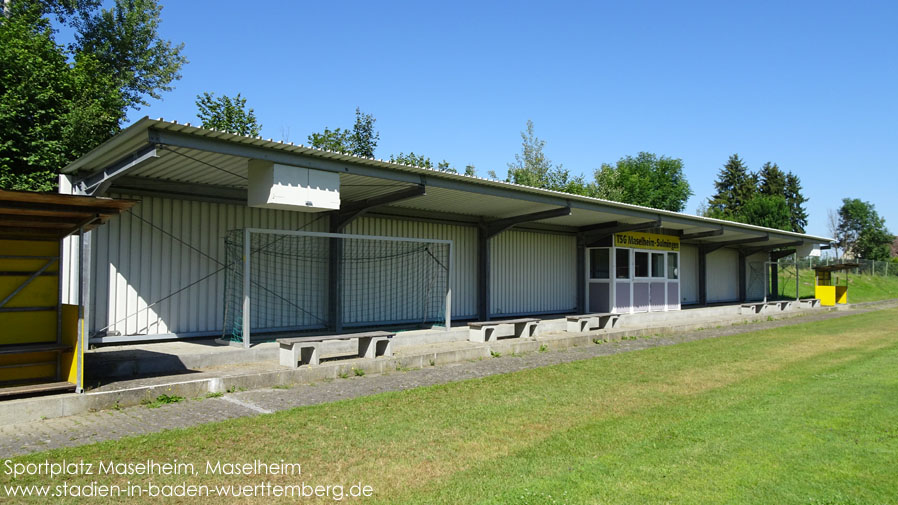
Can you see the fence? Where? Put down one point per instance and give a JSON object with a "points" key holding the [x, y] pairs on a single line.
{"points": [[865, 267]]}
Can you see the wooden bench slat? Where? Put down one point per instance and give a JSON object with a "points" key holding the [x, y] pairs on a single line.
{"points": [[597, 314], [38, 347], [480, 324], [345, 336], [46, 387]]}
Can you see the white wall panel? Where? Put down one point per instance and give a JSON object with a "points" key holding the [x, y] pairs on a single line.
{"points": [[163, 246], [532, 273], [723, 275], [688, 274]]}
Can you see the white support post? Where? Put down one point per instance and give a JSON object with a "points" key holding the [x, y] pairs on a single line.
{"points": [[83, 307], [449, 290], [247, 250], [797, 296]]}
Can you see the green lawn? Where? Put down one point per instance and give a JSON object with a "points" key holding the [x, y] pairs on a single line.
{"points": [[806, 414], [861, 288]]}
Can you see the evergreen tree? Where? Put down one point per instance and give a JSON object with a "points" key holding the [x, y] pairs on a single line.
{"points": [[735, 186], [771, 211], [796, 200], [771, 180]]}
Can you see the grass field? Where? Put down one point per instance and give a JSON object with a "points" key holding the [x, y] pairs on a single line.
{"points": [[806, 414], [861, 288]]}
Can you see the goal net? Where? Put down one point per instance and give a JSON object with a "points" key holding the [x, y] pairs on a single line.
{"points": [[293, 281]]}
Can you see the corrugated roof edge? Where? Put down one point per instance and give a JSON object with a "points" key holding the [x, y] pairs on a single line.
{"points": [[144, 124]]}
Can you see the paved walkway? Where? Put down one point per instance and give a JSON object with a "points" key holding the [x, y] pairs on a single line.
{"points": [[115, 424]]}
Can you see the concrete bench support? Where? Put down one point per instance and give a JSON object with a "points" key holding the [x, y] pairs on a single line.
{"points": [[298, 351], [748, 309], [372, 347], [810, 303], [490, 331], [587, 322]]}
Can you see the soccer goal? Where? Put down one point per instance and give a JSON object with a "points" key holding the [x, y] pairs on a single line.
{"points": [[280, 281]]}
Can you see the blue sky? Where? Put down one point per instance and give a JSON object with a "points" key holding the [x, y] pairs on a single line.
{"points": [[812, 86]]}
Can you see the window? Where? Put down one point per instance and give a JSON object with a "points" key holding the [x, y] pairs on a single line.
{"points": [[622, 257], [658, 265], [599, 263], [641, 264], [673, 266]]}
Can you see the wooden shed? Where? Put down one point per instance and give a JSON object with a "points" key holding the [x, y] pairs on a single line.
{"points": [[41, 339]]}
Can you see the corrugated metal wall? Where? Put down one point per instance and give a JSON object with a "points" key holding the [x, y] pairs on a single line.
{"points": [[688, 274], [165, 245], [532, 273], [723, 275]]}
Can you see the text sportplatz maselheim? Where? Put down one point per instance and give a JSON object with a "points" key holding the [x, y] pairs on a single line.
{"points": [[103, 478]]}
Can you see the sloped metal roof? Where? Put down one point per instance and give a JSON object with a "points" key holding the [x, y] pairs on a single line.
{"points": [[192, 155]]}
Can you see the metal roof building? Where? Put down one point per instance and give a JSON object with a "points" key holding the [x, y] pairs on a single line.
{"points": [[516, 250]]}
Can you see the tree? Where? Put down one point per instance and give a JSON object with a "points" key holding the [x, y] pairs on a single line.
{"points": [[126, 43], [770, 211], [57, 103], [363, 140], [227, 114], [532, 168], [411, 159], [832, 226], [735, 186], [771, 180], [470, 170], [644, 180], [360, 141], [862, 233], [331, 140], [798, 216]]}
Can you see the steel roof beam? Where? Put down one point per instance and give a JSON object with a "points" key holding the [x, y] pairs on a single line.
{"points": [[174, 189], [713, 246], [754, 250], [97, 183], [702, 234], [497, 226], [595, 236], [598, 226], [352, 210]]}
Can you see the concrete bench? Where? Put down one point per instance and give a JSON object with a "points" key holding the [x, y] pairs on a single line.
{"points": [[760, 307], [305, 350], [780, 306], [488, 331], [751, 308], [810, 303], [586, 322]]}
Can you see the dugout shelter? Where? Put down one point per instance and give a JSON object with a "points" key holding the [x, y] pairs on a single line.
{"points": [[303, 239]]}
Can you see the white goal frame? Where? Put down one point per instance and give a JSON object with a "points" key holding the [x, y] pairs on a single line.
{"points": [[247, 262]]}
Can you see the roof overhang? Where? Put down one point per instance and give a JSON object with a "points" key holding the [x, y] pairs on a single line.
{"points": [[44, 216], [156, 157]]}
